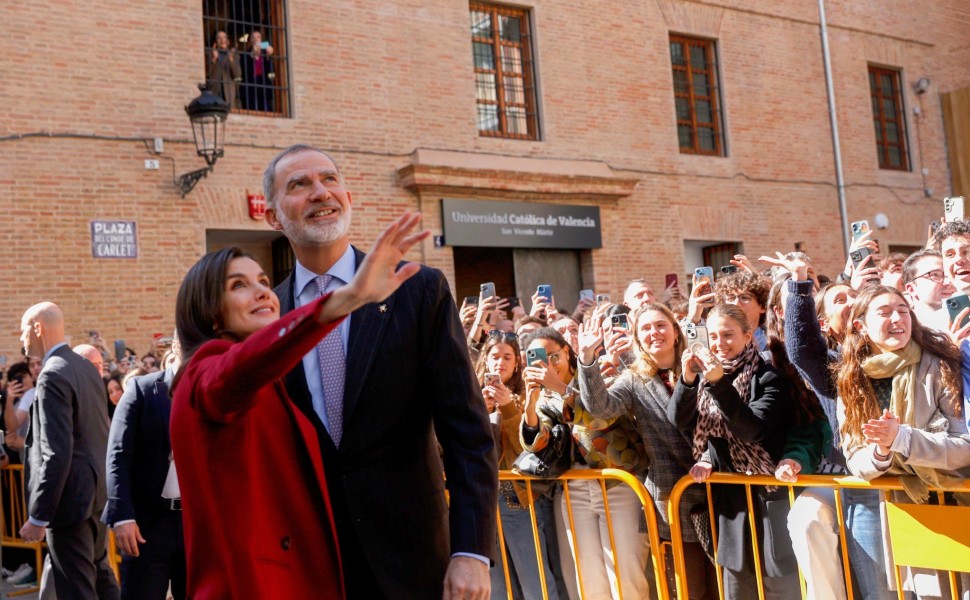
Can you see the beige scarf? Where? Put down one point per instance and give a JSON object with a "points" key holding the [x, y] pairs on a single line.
{"points": [[902, 367]]}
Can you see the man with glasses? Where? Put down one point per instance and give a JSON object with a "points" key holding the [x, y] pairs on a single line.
{"points": [[927, 286], [749, 292]]}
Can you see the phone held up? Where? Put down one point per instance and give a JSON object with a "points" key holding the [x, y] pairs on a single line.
{"points": [[955, 305], [492, 379], [697, 341], [586, 295], [488, 290], [953, 209], [620, 321], [536, 355], [702, 274], [729, 269], [602, 299], [544, 291], [859, 228], [670, 280]]}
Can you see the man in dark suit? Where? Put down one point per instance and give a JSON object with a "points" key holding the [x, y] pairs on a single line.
{"points": [[146, 517], [65, 449], [407, 377]]}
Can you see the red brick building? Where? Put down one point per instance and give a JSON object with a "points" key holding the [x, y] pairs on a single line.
{"points": [[689, 124]]}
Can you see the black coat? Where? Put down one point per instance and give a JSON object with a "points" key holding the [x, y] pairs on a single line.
{"points": [[138, 451], [64, 472], [765, 419], [408, 378]]}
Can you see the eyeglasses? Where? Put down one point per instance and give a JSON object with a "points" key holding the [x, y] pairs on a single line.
{"points": [[936, 276], [554, 357], [503, 336], [739, 298]]}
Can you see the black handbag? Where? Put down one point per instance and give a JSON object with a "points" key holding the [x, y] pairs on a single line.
{"points": [[557, 456]]}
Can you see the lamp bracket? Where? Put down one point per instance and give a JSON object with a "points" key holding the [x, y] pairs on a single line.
{"points": [[187, 181]]}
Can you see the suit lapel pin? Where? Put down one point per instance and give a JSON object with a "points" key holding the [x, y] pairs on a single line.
{"points": [[382, 308]]}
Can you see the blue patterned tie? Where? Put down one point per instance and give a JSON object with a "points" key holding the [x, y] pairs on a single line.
{"points": [[333, 371]]}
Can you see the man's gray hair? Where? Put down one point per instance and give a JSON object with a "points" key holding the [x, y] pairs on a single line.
{"points": [[269, 175]]}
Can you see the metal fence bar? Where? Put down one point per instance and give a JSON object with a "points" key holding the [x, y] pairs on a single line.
{"points": [[649, 508], [883, 484]]}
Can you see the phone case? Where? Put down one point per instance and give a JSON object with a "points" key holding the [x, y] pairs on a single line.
{"points": [[953, 208], [534, 355], [859, 228], [545, 291], [956, 304], [860, 255]]}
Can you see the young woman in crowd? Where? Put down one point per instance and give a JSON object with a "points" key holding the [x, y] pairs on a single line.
{"points": [[900, 398], [254, 497], [642, 394], [499, 371], [815, 324], [738, 411], [601, 443]]}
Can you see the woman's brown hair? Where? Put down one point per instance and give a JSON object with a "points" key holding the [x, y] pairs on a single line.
{"points": [[516, 385], [854, 386]]}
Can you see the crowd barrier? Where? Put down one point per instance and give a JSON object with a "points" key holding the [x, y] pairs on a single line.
{"points": [[602, 477], [14, 515], [931, 536]]}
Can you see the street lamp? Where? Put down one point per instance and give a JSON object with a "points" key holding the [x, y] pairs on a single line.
{"points": [[208, 116]]}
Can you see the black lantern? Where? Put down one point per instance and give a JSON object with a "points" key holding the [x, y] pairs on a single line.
{"points": [[208, 116]]}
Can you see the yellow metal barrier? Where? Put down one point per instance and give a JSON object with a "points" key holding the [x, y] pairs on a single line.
{"points": [[14, 514], [602, 476], [14, 508], [930, 536]]}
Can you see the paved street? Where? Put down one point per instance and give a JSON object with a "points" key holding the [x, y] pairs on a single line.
{"points": [[6, 588]]}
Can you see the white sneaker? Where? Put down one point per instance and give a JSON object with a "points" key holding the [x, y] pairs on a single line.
{"points": [[17, 574]]}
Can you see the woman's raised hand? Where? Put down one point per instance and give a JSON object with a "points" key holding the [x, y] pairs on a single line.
{"points": [[590, 338], [378, 276]]}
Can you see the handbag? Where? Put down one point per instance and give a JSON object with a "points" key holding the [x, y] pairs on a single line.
{"points": [[700, 518], [557, 456]]}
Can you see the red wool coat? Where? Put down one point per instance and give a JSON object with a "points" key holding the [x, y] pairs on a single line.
{"points": [[256, 510]]}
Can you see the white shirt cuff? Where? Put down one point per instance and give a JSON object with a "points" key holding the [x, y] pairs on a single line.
{"points": [[113, 525], [38, 522], [488, 563]]}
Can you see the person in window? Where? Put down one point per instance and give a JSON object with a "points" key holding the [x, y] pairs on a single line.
{"points": [[256, 92], [224, 71], [737, 409], [600, 444]]}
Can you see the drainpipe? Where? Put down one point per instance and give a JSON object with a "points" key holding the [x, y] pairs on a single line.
{"points": [[833, 120]]}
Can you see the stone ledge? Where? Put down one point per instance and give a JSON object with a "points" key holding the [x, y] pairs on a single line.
{"points": [[442, 170]]}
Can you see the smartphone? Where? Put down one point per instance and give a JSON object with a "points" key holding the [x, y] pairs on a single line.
{"points": [[488, 290], [492, 379], [955, 304], [119, 350], [696, 334], [473, 300], [264, 45], [729, 269], [670, 280], [702, 273], [620, 321], [535, 355], [860, 255], [545, 291], [513, 302], [935, 226], [859, 228], [587, 295], [953, 209], [3, 360], [602, 299]]}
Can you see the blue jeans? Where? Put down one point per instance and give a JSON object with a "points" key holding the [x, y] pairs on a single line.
{"points": [[865, 544], [520, 546]]}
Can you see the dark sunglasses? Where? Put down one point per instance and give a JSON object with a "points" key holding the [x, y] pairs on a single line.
{"points": [[504, 336]]}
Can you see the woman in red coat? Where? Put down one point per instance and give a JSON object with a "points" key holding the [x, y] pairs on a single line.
{"points": [[256, 509]]}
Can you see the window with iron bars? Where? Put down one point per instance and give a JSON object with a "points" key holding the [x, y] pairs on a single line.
{"points": [[504, 80], [245, 55], [889, 118], [696, 96]]}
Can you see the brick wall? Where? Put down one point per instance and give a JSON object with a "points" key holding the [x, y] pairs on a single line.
{"points": [[375, 82]]}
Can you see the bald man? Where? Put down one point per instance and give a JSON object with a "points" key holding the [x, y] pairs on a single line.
{"points": [[65, 468], [93, 355]]}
